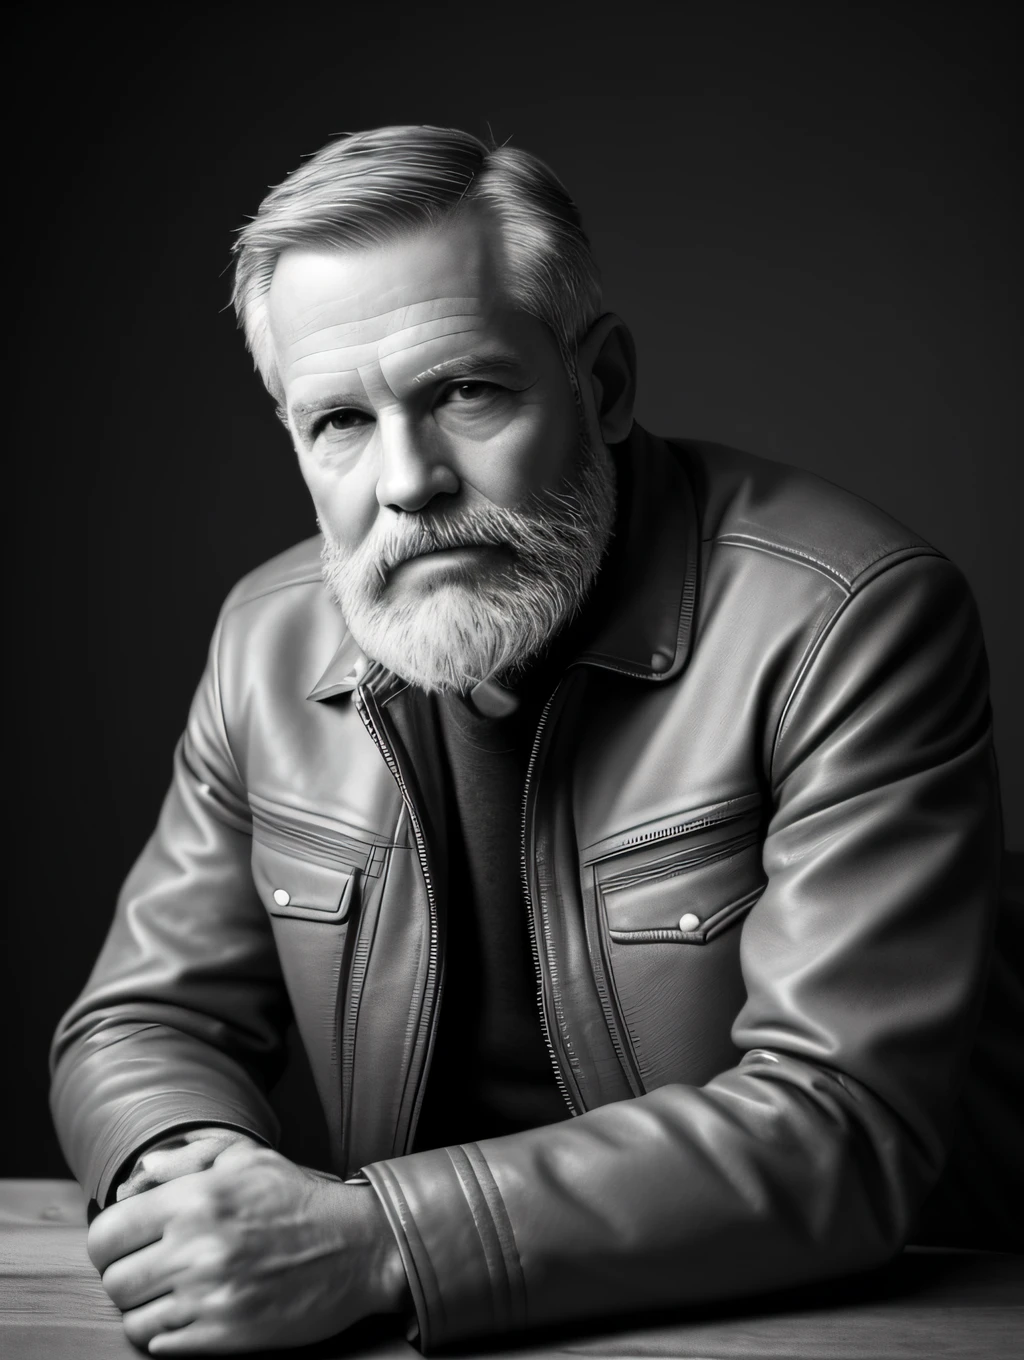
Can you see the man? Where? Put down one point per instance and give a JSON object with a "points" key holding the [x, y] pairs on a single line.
{"points": [[690, 748]]}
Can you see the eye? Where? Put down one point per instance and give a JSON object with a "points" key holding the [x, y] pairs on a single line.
{"points": [[472, 390], [334, 425], [349, 418]]}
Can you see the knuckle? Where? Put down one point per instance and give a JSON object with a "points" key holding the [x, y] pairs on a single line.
{"points": [[195, 1198], [113, 1283], [241, 1153], [223, 1304], [137, 1329], [211, 1257]]}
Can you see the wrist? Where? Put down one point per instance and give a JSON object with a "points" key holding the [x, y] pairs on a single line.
{"points": [[387, 1284]]}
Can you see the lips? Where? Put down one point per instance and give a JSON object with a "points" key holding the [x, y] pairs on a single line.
{"points": [[441, 548], [471, 554]]}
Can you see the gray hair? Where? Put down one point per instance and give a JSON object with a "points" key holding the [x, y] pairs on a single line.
{"points": [[368, 188]]}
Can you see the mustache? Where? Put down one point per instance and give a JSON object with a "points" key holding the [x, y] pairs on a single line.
{"points": [[420, 534]]}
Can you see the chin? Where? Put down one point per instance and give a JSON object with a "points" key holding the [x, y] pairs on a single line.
{"points": [[446, 637], [459, 583]]}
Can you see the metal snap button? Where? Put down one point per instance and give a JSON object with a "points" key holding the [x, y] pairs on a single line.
{"points": [[688, 922], [281, 897]]}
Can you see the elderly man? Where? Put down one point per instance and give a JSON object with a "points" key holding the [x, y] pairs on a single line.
{"points": [[616, 817]]}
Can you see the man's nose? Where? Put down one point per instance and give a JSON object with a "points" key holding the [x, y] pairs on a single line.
{"points": [[412, 469]]}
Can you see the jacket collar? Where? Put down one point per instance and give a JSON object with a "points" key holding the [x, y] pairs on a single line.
{"points": [[644, 625], [646, 621]]}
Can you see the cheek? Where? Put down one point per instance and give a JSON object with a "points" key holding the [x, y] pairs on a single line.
{"points": [[530, 455], [347, 506]]}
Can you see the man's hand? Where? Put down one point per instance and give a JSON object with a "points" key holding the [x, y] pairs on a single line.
{"points": [[179, 1154], [251, 1253]]}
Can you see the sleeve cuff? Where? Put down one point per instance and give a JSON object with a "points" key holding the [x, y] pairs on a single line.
{"points": [[457, 1244], [157, 1117]]}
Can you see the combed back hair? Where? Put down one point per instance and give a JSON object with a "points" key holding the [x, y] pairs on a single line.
{"points": [[370, 188]]}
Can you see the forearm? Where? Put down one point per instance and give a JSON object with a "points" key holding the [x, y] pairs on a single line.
{"points": [[775, 1174], [248, 1253], [123, 1086]]}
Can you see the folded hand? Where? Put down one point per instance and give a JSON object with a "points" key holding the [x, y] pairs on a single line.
{"points": [[250, 1253]]}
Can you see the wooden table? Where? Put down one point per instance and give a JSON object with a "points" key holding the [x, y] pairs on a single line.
{"points": [[928, 1305]]}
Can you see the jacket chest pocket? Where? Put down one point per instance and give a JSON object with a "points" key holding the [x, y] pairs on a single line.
{"points": [[321, 883], [305, 871], [668, 899]]}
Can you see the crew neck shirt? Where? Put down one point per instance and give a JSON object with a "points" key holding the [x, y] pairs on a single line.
{"points": [[490, 1073]]}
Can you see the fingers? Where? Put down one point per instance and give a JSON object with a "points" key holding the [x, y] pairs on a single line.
{"points": [[136, 1222], [206, 1338], [160, 1165], [141, 1276], [182, 1154], [239, 1151], [162, 1315], [186, 1323]]}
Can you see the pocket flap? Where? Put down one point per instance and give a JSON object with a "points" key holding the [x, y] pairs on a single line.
{"points": [[298, 887], [690, 929]]}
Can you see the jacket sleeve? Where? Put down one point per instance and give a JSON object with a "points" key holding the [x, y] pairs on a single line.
{"points": [[183, 1018], [864, 963]]}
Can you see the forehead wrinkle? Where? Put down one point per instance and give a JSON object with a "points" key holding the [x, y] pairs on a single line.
{"points": [[387, 343], [308, 322], [428, 330], [351, 360], [359, 357]]}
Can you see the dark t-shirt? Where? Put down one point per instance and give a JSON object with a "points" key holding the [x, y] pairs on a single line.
{"points": [[490, 1073]]}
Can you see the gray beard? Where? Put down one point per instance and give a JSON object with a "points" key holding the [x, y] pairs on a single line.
{"points": [[465, 631]]}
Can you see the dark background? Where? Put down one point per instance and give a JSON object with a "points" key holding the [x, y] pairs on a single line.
{"points": [[808, 212]]}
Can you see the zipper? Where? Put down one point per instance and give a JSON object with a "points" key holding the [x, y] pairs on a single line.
{"points": [[362, 708], [680, 829], [283, 833], [681, 861], [535, 949], [356, 978]]}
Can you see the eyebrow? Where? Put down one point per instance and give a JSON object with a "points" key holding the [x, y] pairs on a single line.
{"points": [[469, 365], [302, 410]]}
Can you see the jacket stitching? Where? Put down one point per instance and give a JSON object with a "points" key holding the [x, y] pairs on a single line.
{"points": [[894, 556], [490, 1237], [514, 1278], [899, 556], [782, 550]]}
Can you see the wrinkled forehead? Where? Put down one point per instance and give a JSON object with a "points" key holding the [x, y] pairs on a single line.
{"points": [[368, 302]]}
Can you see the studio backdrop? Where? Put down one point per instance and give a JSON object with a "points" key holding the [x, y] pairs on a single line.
{"points": [[808, 214]]}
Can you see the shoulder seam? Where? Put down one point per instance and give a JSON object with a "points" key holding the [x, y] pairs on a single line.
{"points": [[887, 561], [849, 583], [892, 558], [772, 549]]}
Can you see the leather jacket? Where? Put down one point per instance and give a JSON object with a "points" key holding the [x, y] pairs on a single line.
{"points": [[760, 852]]}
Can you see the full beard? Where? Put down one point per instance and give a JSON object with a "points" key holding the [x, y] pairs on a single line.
{"points": [[458, 632]]}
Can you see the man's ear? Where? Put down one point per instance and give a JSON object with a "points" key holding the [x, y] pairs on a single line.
{"points": [[606, 368]]}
